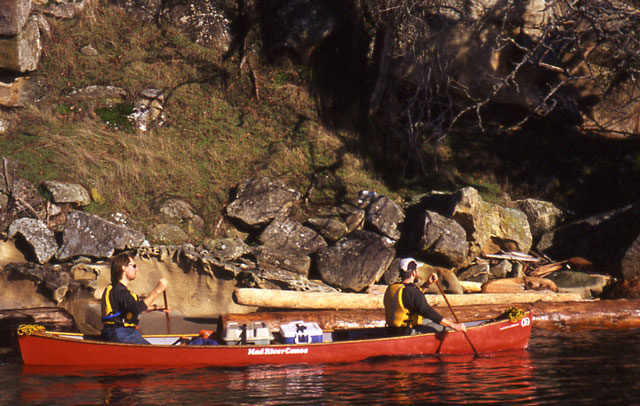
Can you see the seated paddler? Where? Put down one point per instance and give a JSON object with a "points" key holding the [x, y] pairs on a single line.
{"points": [[121, 308], [406, 308]]}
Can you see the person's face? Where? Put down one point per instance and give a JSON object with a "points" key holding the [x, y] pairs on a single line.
{"points": [[131, 270]]}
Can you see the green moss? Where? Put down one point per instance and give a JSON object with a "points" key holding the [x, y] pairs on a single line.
{"points": [[117, 116]]}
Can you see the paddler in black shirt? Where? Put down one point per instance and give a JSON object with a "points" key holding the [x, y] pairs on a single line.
{"points": [[121, 308], [405, 304]]}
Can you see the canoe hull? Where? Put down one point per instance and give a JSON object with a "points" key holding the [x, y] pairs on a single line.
{"points": [[56, 350]]}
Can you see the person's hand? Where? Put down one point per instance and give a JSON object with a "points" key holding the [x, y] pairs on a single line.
{"points": [[163, 284], [459, 327]]}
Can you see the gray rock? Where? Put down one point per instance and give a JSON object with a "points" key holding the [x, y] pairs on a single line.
{"points": [[259, 200], [356, 261], [439, 239], [89, 50], [489, 227], [474, 270], [227, 249], [148, 111], [203, 21], [182, 211], [87, 234], [385, 216], [517, 270], [331, 228], [21, 53], [501, 269], [65, 9], [94, 92], [285, 234], [300, 25], [590, 286], [353, 217], [53, 280], [542, 216], [13, 16], [167, 234], [280, 279], [65, 192], [37, 235], [4, 124], [273, 260], [609, 240]]}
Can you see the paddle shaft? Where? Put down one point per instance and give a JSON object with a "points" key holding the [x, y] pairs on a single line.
{"points": [[166, 306], [456, 317]]}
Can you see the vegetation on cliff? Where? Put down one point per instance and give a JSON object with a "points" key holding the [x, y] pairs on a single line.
{"points": [[229, 117]]}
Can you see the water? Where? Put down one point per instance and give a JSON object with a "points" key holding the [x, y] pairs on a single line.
{"points": [[592, 367]]}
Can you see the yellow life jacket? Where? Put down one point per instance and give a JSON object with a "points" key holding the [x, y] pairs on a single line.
{"points": [[397, 314], [109, 316]]}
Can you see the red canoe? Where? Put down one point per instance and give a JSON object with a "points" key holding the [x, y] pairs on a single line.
{"points": [[65, 349]]}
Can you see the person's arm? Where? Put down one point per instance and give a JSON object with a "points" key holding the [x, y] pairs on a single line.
{"points": [[426, 311], [151, 297], [416, 302], [455, 326]]}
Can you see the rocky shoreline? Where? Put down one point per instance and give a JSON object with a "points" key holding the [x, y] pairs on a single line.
{"points": [[272, 243]]}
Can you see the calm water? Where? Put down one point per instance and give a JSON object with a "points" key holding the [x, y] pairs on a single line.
{"points": [[596, 367]]}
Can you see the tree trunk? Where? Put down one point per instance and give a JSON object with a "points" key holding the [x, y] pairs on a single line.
{"points": [[289, 299], [567, 316]]}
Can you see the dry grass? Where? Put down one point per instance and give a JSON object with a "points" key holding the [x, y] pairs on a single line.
{"points": [[217, 132]]}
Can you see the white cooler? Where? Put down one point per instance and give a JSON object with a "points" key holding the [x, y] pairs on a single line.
{"points": [[298, 332]]}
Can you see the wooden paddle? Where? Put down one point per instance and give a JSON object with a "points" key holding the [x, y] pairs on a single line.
{"points": [[166, 306], [455, 317]]}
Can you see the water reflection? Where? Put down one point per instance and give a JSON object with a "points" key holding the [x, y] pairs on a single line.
{"points": [[502, 377], [578, 368]]}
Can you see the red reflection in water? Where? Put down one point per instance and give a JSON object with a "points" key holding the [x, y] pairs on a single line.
{"points": [[504, 376]]}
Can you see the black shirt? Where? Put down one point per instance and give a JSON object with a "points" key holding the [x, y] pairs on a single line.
{"points": [[123, 301]]}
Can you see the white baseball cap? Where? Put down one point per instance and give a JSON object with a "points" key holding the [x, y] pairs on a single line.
{"points": [[406, 263]]}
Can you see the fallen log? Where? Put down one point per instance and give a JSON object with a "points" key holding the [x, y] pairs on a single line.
{"points": [[52, 318], [567, 316], [289, 299]]}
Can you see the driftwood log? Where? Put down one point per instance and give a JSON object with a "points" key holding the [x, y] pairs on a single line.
{"points": [[568, 316], [52, 318], [289, 299]]}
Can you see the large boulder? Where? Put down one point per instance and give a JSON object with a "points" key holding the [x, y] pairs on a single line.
{"points": [[384, 216], [21, 53], [181, 211], [203, 22], [334, 223], [13, 16], [259, 200], [53, 281], [89, 235], [439, 239], [542, 216], [227, 249], [299, 25], [610, 240], [67, 192], [356, 261], [39, 237], [286, 234], [490, 227], [274, 260]]}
